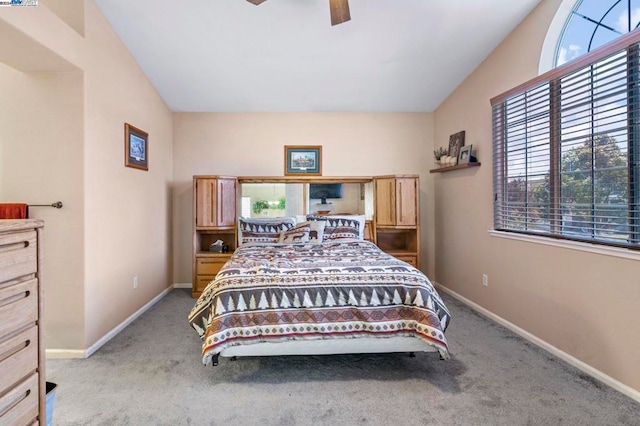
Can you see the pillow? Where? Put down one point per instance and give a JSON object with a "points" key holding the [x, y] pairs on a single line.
{"points": [[263, 230], [296, 235], [341, 227], [316, 232]]}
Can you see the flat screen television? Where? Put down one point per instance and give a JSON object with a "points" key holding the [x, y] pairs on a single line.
{"points": [[322, 191]]}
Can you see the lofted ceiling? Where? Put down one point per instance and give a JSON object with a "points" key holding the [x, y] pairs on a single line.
{"points": [[284, 55]]}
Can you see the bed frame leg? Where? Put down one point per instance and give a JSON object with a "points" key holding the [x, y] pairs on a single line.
{"points": [[412, 354], [441, 357], [214, 360], [233, 358]]}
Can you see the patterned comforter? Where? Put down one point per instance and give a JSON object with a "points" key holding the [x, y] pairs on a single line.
{"points": [[333, 290]]}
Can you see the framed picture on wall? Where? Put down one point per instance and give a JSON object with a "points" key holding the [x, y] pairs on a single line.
{"points": [[301, 160], [136, 147]]}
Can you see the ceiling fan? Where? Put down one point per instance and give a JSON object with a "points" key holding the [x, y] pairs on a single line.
{"points": [[339, 10]]}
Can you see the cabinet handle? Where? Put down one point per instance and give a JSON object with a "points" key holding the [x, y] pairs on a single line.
{"points": [[14, 350], [212, 211], [400, 191], [219, 202], [14, 402], [391, 204], [14, 298], [14, 246]]}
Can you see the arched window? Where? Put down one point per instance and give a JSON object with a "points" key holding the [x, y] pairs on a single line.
{"points": [[593, 23]]}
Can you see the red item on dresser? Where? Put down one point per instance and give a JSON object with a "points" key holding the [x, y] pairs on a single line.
{"points": [[14, 211]]}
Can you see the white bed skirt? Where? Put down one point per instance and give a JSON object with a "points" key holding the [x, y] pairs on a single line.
{"points": [[330, 347]]}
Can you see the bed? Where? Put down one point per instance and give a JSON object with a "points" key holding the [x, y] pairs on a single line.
{"points": [[343, 295]]}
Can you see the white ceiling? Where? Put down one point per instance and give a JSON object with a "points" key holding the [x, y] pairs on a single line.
{"points": [[284, 55]]}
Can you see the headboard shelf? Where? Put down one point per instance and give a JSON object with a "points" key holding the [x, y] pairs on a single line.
{"points": [[305, 179]]}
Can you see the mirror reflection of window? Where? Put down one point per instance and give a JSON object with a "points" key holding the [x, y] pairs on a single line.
{"points": [[292, 199], [245, 207]]}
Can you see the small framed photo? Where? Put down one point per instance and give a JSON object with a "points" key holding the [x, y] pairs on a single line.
{"points": [[136, 147], [300, 160], [465, 154], [456, 141]]}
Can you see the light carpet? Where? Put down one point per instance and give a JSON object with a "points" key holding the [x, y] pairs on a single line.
{"points": [[151, 374]]}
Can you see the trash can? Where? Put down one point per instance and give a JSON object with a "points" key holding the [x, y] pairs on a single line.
{"points": [[51, 396]]}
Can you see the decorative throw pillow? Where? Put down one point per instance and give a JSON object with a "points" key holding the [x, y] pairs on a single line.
{"points": [[316, 232], [339, 227], [296, 235], [262, 231]]}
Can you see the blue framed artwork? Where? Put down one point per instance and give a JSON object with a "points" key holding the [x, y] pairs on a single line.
{"points": [[136, 147]]}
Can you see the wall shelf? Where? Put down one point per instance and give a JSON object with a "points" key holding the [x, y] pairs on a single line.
{"points": [[452, 168]]}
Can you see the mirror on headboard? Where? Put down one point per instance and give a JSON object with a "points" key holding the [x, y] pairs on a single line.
{"points": [[274, 199]]}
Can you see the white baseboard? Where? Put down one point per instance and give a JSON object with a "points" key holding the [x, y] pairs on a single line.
{"points": [[580, 365], [182, 285], [76, 353], [65, 353]]}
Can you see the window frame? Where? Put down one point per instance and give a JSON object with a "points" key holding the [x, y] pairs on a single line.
{"points": [[628, 42]]}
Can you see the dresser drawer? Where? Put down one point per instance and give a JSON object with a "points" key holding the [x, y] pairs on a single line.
{"points": [[18, 306], [19, 406], [18, 358], [18, 255], [210, 265]]}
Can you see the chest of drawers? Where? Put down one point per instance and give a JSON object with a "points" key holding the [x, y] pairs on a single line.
{"points": [[22, 378]]}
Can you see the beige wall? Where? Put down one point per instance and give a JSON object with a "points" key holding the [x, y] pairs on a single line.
{"points": [[62, 138], [41, 154], [70, 12], [582, 303], [354, 144], [128, 211]]}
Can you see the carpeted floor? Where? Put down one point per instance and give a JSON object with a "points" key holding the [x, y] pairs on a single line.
{"points": [[151, 374]]}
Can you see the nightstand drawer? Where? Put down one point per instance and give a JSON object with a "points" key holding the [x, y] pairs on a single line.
{"points": [[18, 306], [19, 406], [410, 259], [18, 255], [202, 281], [18, 358], [210, 265]]}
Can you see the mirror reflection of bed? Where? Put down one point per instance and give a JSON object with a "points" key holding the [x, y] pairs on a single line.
{"points": [[319, 266]]}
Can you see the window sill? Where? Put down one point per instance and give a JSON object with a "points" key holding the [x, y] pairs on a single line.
{"points": [[572, 245]]}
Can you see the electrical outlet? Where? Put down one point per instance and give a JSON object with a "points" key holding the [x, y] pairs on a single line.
{"points": [[135, 282], [485, 280]]}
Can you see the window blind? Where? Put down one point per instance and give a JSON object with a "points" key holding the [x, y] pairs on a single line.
{"points": [[567, 150]]}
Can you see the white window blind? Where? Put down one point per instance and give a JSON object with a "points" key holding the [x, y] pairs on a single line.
{"points": [[567, 150]]}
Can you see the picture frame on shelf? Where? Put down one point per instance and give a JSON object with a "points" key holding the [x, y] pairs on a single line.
{"points": [[465, 155], [303, 160], [136, 147], [456, 141]]}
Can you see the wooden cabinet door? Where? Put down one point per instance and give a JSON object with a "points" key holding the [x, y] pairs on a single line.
{"points": [[385, 202], [206, 210], [406, 199], [215, 202], [226, 199]]}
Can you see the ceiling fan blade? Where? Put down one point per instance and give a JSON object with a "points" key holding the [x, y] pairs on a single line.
{"points": [[339, 11], [256, 2]]}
